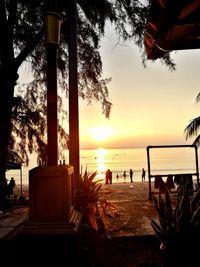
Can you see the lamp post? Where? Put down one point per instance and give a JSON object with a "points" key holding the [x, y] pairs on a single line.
{"points": [[51, 186], [74, 150], [53, 221], [52, 25]]}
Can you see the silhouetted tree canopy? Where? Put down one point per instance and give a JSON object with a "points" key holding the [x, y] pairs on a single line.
{"points": [[22, 120]]}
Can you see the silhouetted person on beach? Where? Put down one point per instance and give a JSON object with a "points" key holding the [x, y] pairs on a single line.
{"points": [[124, 174], [143, 175], [108, 176], [11, 186], [131, 175]]}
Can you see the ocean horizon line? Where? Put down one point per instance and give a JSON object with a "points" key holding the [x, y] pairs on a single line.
{"points": [[127, 147], [115, 147]]}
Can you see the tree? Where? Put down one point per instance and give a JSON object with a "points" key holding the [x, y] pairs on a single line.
{"points": [[23, 41], [192, 129], [12, 54], [22, 24], [28, 124]]}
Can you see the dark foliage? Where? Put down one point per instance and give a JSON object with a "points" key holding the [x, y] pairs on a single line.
{"points": [[178, 229], [22, 22]]}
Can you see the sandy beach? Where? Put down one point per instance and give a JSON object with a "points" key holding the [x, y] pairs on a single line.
{"points": [[134, 209], [130, 237], [24, 190]]}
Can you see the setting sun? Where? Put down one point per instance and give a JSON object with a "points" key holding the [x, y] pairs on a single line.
{"points": [[100, 133]]}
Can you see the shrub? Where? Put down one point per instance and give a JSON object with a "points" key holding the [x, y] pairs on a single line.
{"points": [[178, 229], [92, 201]]}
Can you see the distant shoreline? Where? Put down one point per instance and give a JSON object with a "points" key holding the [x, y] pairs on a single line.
{"points": [[123, 159]]}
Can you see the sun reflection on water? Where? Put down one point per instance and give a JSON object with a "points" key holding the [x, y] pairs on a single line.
{"points": [[101, 152]]}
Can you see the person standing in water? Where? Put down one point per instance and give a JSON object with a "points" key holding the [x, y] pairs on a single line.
{"points": [[108, 177], [131, 175], [124, 174], [143, 175]]}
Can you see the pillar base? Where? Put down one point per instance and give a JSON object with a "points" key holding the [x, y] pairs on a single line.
{"points": [[50, 236], [50, 244], [51, 194]]}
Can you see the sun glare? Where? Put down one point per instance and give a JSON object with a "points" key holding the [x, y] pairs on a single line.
{"points": [[101, 160], [100, 133]]}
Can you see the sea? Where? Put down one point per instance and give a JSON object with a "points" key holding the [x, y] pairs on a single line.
{"points": [[161, 161]]}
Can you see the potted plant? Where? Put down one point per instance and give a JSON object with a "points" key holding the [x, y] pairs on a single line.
{"points": [[178, 229], [92, 201]]}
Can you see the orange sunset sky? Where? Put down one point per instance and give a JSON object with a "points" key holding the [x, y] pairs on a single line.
{"points": [[151, 105]]}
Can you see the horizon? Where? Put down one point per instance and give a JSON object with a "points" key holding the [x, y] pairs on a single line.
{"points": [[127, 147], [120, 159]]}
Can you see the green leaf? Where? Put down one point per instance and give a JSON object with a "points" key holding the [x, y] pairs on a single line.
{"points": [[157, 229], [195, 200], [196, 217], [183, 220]]}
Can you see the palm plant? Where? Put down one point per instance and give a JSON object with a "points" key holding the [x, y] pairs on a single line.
{"points": [[178, 229], [192, 128], [92, 201]]}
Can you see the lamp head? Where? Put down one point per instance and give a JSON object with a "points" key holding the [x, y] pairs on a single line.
{"points": [[52, 26]]}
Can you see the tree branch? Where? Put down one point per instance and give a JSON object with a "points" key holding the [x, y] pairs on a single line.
{"points": [[28, 49]]}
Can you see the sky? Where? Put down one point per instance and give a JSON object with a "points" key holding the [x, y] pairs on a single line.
{"points": [[151, 106]]}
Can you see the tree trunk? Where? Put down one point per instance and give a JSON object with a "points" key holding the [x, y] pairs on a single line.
{"points": [[8, 77]]}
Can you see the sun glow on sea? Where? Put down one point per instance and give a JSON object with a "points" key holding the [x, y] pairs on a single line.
{"points": [[101, 152]]}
